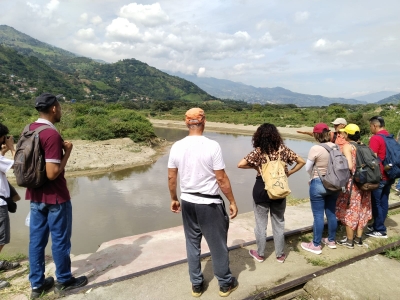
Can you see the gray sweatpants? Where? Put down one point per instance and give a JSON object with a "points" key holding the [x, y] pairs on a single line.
{"points": [[212, 221], [277, 211]]}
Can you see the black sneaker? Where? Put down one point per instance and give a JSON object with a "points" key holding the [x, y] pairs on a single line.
{"points": [[345, 242], [370, 228], [225, 291], [358, 241], [377, 234], [197, 290], [6, 265], [47, 285], [71, 284]]}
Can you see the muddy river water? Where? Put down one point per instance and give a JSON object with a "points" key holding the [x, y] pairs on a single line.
{"points": [[134, 201]]}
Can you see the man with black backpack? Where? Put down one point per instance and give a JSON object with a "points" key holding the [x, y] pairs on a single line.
{"points": [[380, 196], [51, 210]]}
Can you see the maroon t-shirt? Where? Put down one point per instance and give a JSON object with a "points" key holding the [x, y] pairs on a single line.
{"points": [[53, 191]]}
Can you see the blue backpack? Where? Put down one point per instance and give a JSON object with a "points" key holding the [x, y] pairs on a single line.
{"points": [[392, 156]]}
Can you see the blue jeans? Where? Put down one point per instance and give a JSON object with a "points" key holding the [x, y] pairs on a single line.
{"points": [[380, 205], [323, 200], [57, 220]]}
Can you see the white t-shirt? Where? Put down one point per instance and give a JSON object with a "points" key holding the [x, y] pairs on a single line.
{"points": [[5, 165], [196, 158]]}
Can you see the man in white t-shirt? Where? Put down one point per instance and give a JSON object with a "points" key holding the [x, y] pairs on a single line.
{"points": [[6, 144], [201, 172]]}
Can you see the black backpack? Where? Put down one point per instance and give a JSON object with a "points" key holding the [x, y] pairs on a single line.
{"points": [[29, 161], [368, 174]]}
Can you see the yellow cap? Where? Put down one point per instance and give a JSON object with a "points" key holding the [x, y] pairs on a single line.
{"points": [[351, 129]]}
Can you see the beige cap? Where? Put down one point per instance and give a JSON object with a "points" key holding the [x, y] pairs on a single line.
{"points": [[339, 121]]}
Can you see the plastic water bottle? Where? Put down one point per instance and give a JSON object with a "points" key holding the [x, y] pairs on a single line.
{"points": [[28, 219]]}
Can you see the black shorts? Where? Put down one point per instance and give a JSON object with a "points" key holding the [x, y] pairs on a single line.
{"points": [[4, 225]]}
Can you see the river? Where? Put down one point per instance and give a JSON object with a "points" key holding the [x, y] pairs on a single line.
{"points": [[134, 201]]}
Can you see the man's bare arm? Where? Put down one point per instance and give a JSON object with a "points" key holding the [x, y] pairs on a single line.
{"points": [[172, 184], [225, 186]]}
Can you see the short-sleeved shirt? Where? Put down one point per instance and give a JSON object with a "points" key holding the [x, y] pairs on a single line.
{"points": [[256, 157], [53, 191], [5, 165], [196, 158], [340, 140], [320, 156], [378, 146]]}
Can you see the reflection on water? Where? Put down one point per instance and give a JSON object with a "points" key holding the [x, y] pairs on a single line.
{"points": [[133, 201]]}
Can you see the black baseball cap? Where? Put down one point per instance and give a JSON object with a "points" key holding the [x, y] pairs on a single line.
{"points": [[45, 100]]}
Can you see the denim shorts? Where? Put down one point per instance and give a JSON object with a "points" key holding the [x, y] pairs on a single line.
{"points": [[4, 225]]}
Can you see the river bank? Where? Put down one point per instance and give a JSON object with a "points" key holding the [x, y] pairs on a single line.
{"points": [[88, 158], [286, 132]]}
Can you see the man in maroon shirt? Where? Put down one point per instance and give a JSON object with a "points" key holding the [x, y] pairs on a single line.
{"points": [[380, 196], [51, 210]]}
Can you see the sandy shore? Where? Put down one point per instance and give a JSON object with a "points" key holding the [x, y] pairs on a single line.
{"points": [[106, 156], [287, 132]]}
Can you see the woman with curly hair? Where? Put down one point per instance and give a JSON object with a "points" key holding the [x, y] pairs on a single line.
{"points": [[267, 142]]}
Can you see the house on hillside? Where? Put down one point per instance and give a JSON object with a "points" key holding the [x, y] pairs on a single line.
{"points": [[21, 90]]}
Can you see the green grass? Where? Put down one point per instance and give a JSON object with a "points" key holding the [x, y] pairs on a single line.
{"points": [[291, 201], [394, 212], [12, 257], [319, 262], [393, 253]]}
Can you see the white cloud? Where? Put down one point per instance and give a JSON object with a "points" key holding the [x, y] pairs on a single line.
{"points": [[267, 40], [301, 16], [201, 72], [84, 17], [346, 52], [121, 28], [147, 15], [47, 10], [324, 46], [86, 34], [96, 20]]}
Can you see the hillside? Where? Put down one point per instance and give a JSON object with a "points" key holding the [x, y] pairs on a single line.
{"points": [[129, 79], [226, 89], [395, 99], [23, 77]]}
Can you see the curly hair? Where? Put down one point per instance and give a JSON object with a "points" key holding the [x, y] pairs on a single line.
{"points": [[3, 130], [267, 137]]}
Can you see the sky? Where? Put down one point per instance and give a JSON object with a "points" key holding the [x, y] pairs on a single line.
{"points": [[342, 48]]}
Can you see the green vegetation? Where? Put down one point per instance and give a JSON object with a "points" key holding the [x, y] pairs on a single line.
{"points": [[88, 121]]}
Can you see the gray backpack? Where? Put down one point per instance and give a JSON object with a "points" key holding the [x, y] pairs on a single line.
{"points": [[29, 162], [338, 173]]}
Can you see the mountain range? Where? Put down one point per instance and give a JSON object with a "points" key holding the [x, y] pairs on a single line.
{"points": [[375, 97], [130, 79], [226, 89]]}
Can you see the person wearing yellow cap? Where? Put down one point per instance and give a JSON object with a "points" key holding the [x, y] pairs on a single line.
{"points": [[354, 210], [202, 175]]}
